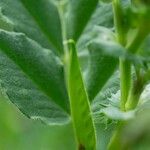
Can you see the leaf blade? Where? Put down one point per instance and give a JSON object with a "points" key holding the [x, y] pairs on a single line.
{"points": [[22, 21], [79, 13], [101, 66], [47, 17], [24, 94], [41, 65]]}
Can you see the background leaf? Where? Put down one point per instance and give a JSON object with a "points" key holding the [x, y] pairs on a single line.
{"points": [[20, 133], [5, 23], [22, 21], [103, 135], [101, 65], [47, 17], [33, 78], [108, 96], [78, 15]]}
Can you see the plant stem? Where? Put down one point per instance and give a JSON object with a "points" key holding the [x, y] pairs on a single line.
{"points": [[141, 34], [135, 94], [137, 89], [125, 81], [138, 85], [118, 21], [125, 73], [65, 56], [125, 67], [130, 98], [128, 94]]}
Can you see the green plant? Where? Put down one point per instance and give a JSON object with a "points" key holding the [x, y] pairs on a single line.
{"points": [[59, 64]]}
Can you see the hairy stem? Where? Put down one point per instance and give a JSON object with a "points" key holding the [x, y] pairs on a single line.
{"points": [[138, 85], [125, 81], [135, 94], [125, 67], [137, 89], [125, 72], [119, 22], [130, 93]]}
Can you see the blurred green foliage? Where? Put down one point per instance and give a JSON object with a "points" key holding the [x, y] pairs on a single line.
{"points": [[17, 132], [20, 133]]}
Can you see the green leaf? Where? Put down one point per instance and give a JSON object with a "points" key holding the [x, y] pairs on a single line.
{"points": [[108, 96], [19, 131], [24, 22], [80, 107], [144, 102], [46, 16], [79, 14], [103, 10], [39, 65], [105, 52], [5, 23]]}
